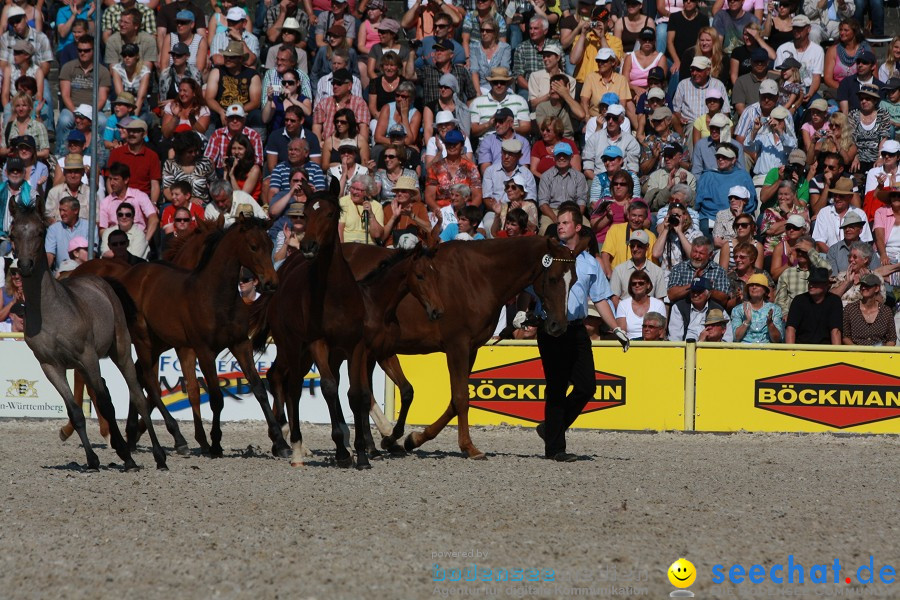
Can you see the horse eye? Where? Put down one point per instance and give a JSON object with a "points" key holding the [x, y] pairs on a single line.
{"points": [[420, 277]]}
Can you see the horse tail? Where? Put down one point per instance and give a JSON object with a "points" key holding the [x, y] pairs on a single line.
{"points": [[128, 305], [259, 322]]}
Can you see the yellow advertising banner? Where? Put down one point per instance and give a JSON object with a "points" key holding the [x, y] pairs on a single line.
{"points": [[507, 386], [790, 390]]}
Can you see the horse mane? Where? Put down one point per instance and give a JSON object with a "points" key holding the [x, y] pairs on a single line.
{"points": [[211, 243], [384, 266], [175, 246], [326, 196]]}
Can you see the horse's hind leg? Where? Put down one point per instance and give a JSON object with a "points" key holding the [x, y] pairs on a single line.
{"points": [[359, 403], [188, 361], [66, 431], [243, 353], [320, 353], [392, 368], [121, 356], [216, 400], [148, 376], [57, 377], [96, 382]]}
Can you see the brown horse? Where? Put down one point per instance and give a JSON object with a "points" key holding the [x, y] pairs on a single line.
{"points": [[476, 280], [71, 325], [315, 316]]}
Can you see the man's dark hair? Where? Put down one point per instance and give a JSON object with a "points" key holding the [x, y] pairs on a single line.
{"points": [[127, 205], [72, 202], [835, 155], [120, 170], [86, 39], [183, 185], [472, 213], [572, 208], [517, 216], [135, 14]]}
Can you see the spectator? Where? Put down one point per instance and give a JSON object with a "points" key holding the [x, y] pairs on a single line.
{"points": [[362, 217], [123, 108], [288, 239], [839, 253], [489, 149], [561, 104], [292, 35], [187, 165], [679, 194], [730, 24], [882, 178], [662, 136], [491, 53], [77, 255], [816, 316], [828, 222], [187, 112], [22, 123], [715, 326], [442, 38], [744, 233], [612, 135], [284, 87], [771, 143], [326, 110], [442, 63], [132, 76], [807, 52], [19, 30], [112, 14], [682, 29], [193, 46], [494, 178], [793, 281], [761, 112], [612, 209], [661, 181], [655, 97], [448, 171], [714, 103], [887, 229], [409, 156], [516, 222], [794, 174], [137, 242], [22, 65], [130, 34], [851, 83], [73, 185], [345, 127], [752, 41], [445, 123], [846, 284], [638, 244], [653, 328], [13, 301], [228, 202], [405, 213], [832, 171], [422, 16], [181, 198], [542, 153], [644, 58], [486, 107], [76, 84], [605, 80], [868, 322], [700, 264], [869, 126], [143, 163], [448, 101], [342, 174], [145, 216], [785, 254], [539, 79], [774, 219], [167, 19], [689, 314], [70, 227], [118, 247], [826, 17], [66, 17], [182, 224], [234, 84], [390, 175], [235, 41], [298, 160], [631, 311], [617, 244], [36, 172], [235, 122], [756, 321], [388, 44], [704, 157], [531, 56], [613, 160], [179, 70], [746, 87], [241, 168], [589, 34], [690, 95], [401, 111], [709, 191], [383, 86], [337, 54], [560, 183], [745, 258]]}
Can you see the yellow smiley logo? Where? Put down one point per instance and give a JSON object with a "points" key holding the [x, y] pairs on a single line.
{"points": [[682, 573]]}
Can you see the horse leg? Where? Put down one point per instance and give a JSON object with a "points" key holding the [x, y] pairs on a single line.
{"points": [[148, 375], [329, 385], [216, 400], [415, 439], [288, 381], [92, 377], [122, 359], [66, 431], [188, 360], [392, 368], [371, 449], [360, 401], [459, 390], [380, 419], [57, 377], [243, 353]]}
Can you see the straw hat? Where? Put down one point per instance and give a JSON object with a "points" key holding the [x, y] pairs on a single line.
{"points": [[406, 183]]}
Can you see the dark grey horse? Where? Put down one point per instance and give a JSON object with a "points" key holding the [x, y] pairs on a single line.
{"points": [[72, 324]]}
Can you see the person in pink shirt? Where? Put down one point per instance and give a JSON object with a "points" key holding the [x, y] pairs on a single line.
{"points": [[146, 217]]}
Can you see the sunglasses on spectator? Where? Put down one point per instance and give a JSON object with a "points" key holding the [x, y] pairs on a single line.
{"points": [[340, 121], [619, 184], [85, 50], [441, 26], [791, 228], [633, 283], [510, 186], [182, 220], [126, 215], [887, 154], [246, 279], [16, 20], [118, 244], [406, 96], [743, 224], [487, 30], [289, 81], [188, 22], [390, 156]]}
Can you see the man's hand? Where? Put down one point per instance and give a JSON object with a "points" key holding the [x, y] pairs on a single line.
{"points": [[622, 338], [519, 319]]}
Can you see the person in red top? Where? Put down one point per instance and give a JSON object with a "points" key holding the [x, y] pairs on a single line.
{"points": [[542, 157], [181, 198], [446, 172], [146, 171]]}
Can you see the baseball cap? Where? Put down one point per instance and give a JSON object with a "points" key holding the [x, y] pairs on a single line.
{"points": [[656, 93], [851, 219], [186, 15], [24, 140], [700, 284], [769, 87], [714, 94], [605, 54], [701, 62], [658, 114], [235, 110], [759, 55], [85, 110], [797, 157], [131, 50], [647, 33], [15, 11], [738, 191], [554, 47], [140, 124], [640, 236], [656, 74], [800, 21], [870, 280], [454, 137], [503, 113], [612, 152], [179, 49], [866, 56], [396, 130], [341, 76], [719, 120], [609, 98], [780, 113], [23, 46], [347, 143], [819, 104], [562, 148], [76, 136], [673, 149], [236, 13], [77, 242], [796, 221], [892, 84], [15, 164], [727, 152], [790, 63], [511, 145], [442, 45], [758, 279], [616, 109], [387, 25], [890, 146], [337, 30]]}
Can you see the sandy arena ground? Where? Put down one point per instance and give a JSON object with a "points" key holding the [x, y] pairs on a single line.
{"points": [[249, 526]]}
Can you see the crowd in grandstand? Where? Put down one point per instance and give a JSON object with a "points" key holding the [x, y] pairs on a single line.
{"points": [[735, 162]]}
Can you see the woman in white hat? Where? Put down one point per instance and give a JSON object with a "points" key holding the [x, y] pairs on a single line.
{"points": [[443, 124], [448, 99]]}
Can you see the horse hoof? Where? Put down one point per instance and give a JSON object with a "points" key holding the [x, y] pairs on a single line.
{"points": [[91, 469], [344, 463], [479, 456], [216, 452], [409, 444], [132, 467], [387, 442], [63, 436], [374, 454], [397, 450], [162, 467], [183, 450], [363, 467], [297, 463], [282, 452]]}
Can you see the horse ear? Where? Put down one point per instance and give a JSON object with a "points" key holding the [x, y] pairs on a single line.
{"points": [[220, 222], [434, 237], [583, 244]]}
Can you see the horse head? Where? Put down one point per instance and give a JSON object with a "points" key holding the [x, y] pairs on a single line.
{"points": [[27, 233], [322, 214], [422, 279], [255, 251], [554, 284]]}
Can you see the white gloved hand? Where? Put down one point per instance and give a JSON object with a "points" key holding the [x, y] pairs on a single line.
{"points": [[519, 320], [622, 338], [407, 241]]}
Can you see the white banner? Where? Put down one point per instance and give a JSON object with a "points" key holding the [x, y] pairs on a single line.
{"points": [[27, 393]]}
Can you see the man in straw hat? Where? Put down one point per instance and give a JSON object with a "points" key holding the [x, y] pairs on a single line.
{"points": [[485, 107], [828, 230], [73, 184], [714, 326]]}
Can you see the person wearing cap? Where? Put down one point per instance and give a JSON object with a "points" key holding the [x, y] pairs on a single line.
{"points": [[724, 229], [639, 247], [235, 122], [616, 247], [73, 182], [603, 80], [731, 22], [769, 143], [704, 156], [485, 108], [689, 101], [540, 80], [587, 34], [518, 216], [849, 88], [111, 14], [529, 56], [838, 255], [560, 183], [292, 35], [339, 14], [288, 239], [661, 136], [234, 84], [490, 150], [236, 38], [129, 33], [815, 316], [167, 18], [613, 159], [794, 172], [807, 52], [827, 231], [42, 56], [882, 178], [78, 254], [442, 35], [448, 171], [326, 109], [444, 122], [868, 321], [429, 75], [598, 122], [700, 126], [543, 151], [638, 63], [611, 135], [146, 170], [710, 199], [123, 106], [755, 320], [173, 74], [680, 30], [826, 17], [76, 85], [659, 184], [498, 173], [560, 105], [886, 227], [793, 281], [388, 43], [197, 45], [291, 17], [687, 319], [714, 326], [655, 97], [846, 284], [70, 226], [36, 172], [405, 213], [746, 88], [891, 100], [869, 126]]}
